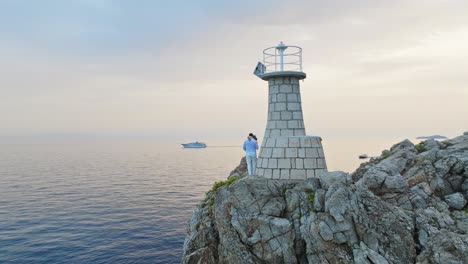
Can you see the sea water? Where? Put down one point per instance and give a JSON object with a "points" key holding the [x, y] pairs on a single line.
{"points": [[114, 202]]}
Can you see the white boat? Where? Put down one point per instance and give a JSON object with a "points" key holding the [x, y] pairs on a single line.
{"points": [[195, 144]]}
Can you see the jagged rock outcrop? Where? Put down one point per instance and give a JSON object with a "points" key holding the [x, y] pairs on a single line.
{"points": [[240, 171], [407, 206]]}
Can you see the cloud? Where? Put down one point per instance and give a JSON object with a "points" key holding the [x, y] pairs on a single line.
{"points": [[116, 65]]}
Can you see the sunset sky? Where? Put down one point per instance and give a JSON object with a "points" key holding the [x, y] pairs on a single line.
{"points": [[182, 70]]}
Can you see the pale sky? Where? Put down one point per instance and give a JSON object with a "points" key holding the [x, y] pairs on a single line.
{"points": [[183, 69]]}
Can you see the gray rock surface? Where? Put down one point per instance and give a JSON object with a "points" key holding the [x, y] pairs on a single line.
{"points": [[241, 170], [406, 206], [455, 201]]}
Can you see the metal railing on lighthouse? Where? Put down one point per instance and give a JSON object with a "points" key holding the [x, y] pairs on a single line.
{"points": [[280, 58]]}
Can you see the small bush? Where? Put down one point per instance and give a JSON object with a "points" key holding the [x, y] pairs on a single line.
{"points": [[420, 147], [310, 198], [209, 195], [386, 154], [219, 184], [447, 143]]}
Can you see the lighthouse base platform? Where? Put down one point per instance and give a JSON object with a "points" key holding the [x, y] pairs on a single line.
{"points": [[291, 158]]}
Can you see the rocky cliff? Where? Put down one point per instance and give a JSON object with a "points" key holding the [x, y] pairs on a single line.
{"points": [[407, 206]]}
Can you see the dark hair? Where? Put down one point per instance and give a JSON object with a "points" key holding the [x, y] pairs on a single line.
{"points": [[253, 136]]}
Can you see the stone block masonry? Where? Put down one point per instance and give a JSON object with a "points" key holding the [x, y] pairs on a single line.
{"points": [[286, 152], [300, 157]]}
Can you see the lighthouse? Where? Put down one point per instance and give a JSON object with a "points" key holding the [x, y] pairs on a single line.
{"points": [[286, 153]]}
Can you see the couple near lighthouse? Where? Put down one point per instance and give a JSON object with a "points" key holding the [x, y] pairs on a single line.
{"points": [[250, 147]]}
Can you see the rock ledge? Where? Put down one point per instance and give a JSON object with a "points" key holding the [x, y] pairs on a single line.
{"points": [[407, 206]]}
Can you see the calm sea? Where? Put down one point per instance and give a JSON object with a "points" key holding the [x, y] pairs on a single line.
{"points": [[114, 202]]}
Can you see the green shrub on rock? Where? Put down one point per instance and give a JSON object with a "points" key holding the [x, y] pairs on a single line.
{"points": [[219, 184], [420, 147], [209, 196], [310, 198]]}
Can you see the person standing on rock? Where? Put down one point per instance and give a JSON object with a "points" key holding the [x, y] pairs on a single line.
{"points": [[250, 147]]}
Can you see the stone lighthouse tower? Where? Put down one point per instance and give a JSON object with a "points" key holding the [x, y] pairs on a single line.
{"points": [[286, 153]]}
